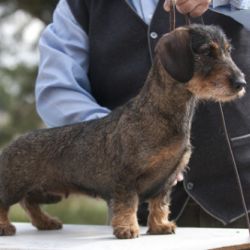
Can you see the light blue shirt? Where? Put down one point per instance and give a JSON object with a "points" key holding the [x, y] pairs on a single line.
{"points": [[63, 91]]}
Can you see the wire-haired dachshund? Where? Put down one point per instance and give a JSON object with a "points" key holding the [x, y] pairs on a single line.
{"points": [[135, 153]]}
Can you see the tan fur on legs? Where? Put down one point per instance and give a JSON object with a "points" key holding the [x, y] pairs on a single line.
{"points": [[158, 222], [124, 220], [39, 219], [6, 229]]}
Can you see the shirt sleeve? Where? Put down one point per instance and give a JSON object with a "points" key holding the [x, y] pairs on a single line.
{"points": [[63, 91], [239, 10]]}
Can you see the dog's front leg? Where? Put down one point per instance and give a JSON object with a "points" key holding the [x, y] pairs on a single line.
{"points": [[158, 222], [124, 220]]}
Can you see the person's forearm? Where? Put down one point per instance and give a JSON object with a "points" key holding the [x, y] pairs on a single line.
{"points": [[63, 93]]}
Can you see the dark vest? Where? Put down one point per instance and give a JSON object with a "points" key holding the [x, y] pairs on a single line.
{"points": [[121, 48]]}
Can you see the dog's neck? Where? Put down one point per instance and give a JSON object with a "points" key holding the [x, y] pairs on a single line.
{"points": [[167, 98]]}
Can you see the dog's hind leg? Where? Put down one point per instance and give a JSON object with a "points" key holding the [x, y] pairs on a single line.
{"points": [[158, 222], [6, 228], [39, 219]]}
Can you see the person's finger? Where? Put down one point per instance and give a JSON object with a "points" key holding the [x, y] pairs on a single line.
{"points": [[167, 5], [192, 7], [185, 7], [199, 10], [179, 177], [175, 183]]}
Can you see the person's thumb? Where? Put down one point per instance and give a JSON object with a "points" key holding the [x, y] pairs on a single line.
{"points": [[167, 5]]}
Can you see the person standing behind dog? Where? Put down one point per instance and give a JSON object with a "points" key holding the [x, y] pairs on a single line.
{"points": [[96, 55]]}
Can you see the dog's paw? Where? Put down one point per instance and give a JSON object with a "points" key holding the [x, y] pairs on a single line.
{"points": [[7, 230], [48, 224], [126, 232], [166, 228]]}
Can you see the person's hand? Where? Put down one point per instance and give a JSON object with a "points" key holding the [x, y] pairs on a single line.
{"points": [[179, 177], [192, 7]]}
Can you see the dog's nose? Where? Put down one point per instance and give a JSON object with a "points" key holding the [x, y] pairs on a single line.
{"points": [[239, 83]]}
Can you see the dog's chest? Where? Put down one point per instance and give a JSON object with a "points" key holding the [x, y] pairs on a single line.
{"points": [[162, 168]]}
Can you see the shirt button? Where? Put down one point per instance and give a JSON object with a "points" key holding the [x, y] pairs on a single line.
{"points": [[190, 186], [153, 35]]}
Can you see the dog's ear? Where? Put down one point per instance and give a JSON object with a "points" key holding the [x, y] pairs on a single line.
{"points": [[176, 56]]}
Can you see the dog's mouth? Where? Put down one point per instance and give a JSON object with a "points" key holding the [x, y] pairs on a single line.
{"points": [[238, 93], [219, 90], [227, 97], [242, 92], [231, 93]]}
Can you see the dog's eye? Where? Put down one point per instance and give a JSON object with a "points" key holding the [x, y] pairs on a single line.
{"points": [[204, 50]]}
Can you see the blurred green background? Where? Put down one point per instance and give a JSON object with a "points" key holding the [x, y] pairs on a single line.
{"points": [[21, 23]]}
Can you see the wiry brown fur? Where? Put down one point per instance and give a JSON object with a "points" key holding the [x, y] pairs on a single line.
{"points": [[133, 154]]}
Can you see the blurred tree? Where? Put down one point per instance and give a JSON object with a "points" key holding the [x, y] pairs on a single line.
{"points": [[17, 103], [41, 9]]}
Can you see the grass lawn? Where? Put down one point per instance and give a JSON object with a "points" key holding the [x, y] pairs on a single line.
{"points": [[74, 210]]}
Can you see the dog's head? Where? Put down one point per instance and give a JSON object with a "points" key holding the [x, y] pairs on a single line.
{"points": [[200, 57]]}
